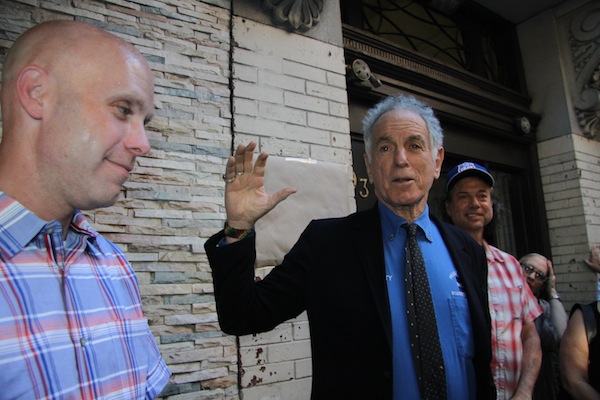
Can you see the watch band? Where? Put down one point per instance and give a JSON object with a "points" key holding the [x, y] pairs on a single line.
{"points": [[237, 233]]}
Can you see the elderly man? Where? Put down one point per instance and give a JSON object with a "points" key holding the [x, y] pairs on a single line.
{"points": [[349, 274], [75, 100], [516, 353]]}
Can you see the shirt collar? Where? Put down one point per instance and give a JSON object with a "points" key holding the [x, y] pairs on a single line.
{"points": [[492, 253], [19, 226], [392, 224]]}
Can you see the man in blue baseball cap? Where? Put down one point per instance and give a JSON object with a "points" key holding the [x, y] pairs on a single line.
{"points": [[516, 351]]}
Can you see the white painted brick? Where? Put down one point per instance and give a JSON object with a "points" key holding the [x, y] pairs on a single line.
{"points": [[282, 81], [255, 355], [269, 373], [335, 124], [304, 71], [259, 92], [265, 39], [304, 102], [260, 61], [303, 368], [285, 148], [258, 126], [297, 389], [326, 92], [336, 80], [295, 350], [338, 109], [282, 333], [331, 154], [301, 330], [554, 147], [341, 140], [281, 113], [308, 135], [245, 73]]}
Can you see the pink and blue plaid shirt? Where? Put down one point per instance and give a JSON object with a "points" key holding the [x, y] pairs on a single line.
{"points": [[71, 321], [511, 306]]}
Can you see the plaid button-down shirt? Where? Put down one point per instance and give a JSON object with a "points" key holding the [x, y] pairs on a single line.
{"points": [[71, 322], [511, 306]]}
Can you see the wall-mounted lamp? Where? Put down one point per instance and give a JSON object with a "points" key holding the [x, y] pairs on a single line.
{"points": [[360, 74], [523, 125]]}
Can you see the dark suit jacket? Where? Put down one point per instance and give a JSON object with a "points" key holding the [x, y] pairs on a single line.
{"points": [[336, 272]]}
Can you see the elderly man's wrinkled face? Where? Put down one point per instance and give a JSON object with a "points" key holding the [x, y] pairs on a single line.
{"points": [[402, 166]]}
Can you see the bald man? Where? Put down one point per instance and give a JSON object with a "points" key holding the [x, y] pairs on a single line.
{"points": [[75, 101]]}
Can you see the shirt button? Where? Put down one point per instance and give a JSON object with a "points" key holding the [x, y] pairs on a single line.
{"points": [[83, 341]]}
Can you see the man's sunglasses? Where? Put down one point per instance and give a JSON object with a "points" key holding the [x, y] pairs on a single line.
{"points": [[528, 268]]}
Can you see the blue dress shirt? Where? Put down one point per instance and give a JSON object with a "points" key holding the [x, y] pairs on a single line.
{"points": [[450, 304]]}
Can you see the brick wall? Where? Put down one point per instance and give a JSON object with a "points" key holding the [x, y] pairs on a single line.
{"points": [[290, 93], [570, 170], [289, 97]]}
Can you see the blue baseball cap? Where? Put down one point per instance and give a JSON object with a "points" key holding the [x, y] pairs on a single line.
{"points": [[465, 169]]}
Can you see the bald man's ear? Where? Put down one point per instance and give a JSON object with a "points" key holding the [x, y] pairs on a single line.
{"points": [[32, 84]]}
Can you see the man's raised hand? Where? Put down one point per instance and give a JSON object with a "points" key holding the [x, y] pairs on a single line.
{"points": [[246, 200]]}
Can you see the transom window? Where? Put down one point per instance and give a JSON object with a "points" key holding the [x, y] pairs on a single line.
{"points": [[470, 38]]}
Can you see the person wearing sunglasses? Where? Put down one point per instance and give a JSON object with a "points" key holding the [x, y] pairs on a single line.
{"points": [[551, 325]]}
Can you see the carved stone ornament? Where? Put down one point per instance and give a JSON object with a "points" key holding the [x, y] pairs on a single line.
{"points": [[585, 48], [588, 111], [300, 15]]}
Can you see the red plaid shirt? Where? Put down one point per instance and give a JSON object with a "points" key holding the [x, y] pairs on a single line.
{"points": [[511, 306]]}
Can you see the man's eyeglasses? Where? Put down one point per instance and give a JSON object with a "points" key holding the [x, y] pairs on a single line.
{"points": [[528, 268]]}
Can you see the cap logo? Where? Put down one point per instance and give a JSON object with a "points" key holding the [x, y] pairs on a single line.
{"points": [[465, 166]]}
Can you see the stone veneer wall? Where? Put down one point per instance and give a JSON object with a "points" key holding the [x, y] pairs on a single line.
{"points": [[174, 199], [289, 97]]}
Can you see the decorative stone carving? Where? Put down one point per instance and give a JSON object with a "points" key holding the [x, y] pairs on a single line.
{"points": [[300, 15], [588, 109], [585, 49]]}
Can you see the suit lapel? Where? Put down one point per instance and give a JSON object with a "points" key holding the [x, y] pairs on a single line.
{"points": [[455, 247], [367, 239]]}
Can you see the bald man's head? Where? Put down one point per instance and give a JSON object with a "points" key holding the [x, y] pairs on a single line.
{"points": [[63, 48], [75, 102], [51, 40]]}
